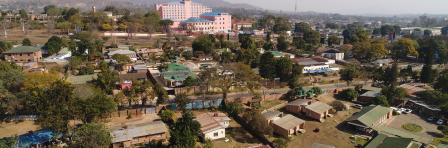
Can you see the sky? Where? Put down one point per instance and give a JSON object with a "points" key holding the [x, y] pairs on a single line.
{"points": [[357, 7]]}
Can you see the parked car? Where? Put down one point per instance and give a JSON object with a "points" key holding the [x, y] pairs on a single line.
{"points": [[440, 122], [431, 118], [358, 106], [407, 110]]}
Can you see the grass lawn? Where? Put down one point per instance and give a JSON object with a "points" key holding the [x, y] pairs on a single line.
{"points": [[270, 103], [360, 141], [414, 128], [238, 137], [436, 141]]}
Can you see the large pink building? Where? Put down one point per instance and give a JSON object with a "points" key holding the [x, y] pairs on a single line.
{"points": [[195, 17], [181, 11]]}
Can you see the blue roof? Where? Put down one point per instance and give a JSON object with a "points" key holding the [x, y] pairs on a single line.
{"points": [[196, 19], [37, 137], [214, 13]]}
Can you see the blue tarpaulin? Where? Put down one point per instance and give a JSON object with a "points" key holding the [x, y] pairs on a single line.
{"points": [[35, 138]]}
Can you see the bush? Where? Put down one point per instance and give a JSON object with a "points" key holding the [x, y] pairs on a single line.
{"points": [[338, 106], [348, 95]]}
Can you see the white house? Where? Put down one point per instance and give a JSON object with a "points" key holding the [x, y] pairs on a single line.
{"points": [[333, 54], [131, 54], [316, 65], [213, 125]]}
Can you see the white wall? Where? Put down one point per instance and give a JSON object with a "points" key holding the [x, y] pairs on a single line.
{"points": [[221, 133]]}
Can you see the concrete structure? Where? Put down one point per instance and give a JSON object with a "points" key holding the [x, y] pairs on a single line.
{"points": [[370, 117], [288, 125], [60, 57], [271, 116], [368, 97], [333, 54], [195, 17], [148, 53], [139, 134], [181, 11], [238, 24], [213, 125], [317, 110], [23, 54], [298, 105]]}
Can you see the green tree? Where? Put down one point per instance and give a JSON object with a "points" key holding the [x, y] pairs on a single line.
{"points": [[284, 69], [55, 107], [53, 45], [348, 74], [5, 46], [267, 66], [106, 80], [355, 33], [249, 56], [191, 81], [393, 94], [95, 107], [333, 40], [282, 43], [391, 75], [203, 44], [348, 94], [258, 122], [281, 25], [280, 143], [167, 116], [26, 42], [121, 59], [184, 132], [381, 100], [92, 135], [442, 82], [246, 41], [404, 47]]}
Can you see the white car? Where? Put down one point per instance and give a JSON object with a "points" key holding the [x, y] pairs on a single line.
{"points": [[358, 106], [431, 118], [407, 111], [440, 121]]}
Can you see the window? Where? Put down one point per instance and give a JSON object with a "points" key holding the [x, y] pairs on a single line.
{"points": [[215, 134]]}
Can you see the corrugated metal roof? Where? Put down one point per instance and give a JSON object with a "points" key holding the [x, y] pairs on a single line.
{"points": [[288, 122], [153, 128], [196, 20], [23, 49], [370, 114]]}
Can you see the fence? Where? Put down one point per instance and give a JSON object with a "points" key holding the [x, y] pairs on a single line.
{"points": [[138, 111]]}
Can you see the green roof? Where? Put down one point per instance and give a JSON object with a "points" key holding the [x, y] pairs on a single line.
{"points": [[382, 141], [23, 49], [276, 53], [370, 114], [177, 72]]}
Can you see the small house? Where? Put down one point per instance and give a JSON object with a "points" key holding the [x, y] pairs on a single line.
{"points": [[318, 111], [23, 54], [298, 105], [271, 116], [288, 125], [213, 125], [139, 134]]}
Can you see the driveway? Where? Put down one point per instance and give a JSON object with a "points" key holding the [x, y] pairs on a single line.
{"points": [[426, 135]]}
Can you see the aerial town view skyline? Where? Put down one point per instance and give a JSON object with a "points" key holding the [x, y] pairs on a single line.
{"points": [[223, 74]]}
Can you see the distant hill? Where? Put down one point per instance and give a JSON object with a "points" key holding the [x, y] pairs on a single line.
{"points": [[87, 4]]}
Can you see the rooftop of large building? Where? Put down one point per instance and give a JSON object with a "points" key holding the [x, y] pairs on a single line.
{"points": [[22, 49], [196, 20]]}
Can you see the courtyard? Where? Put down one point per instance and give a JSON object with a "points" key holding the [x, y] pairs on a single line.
{"points": [[425, 135]]}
